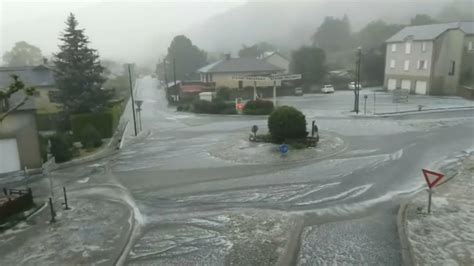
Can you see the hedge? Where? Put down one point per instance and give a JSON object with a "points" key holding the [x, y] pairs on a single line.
{"points": [[46, 121], [104, 122], [214, 107], [287, 123], [258, 107]]}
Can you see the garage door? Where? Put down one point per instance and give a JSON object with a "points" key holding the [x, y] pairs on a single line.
{"points": [[9, 157], [406, 84], [392, 84], [420, 87]]}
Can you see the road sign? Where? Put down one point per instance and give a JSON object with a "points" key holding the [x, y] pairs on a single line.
{"points": [[285, 77], [432, 178], [251, 78], [254, 129], [283, 148]]}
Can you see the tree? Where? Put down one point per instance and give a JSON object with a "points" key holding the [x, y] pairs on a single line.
{"points": [[187, 58], [374, 34], [422, 19], [333, 35], [457, 10], [16, 86], [23, 54], [255, 50], [79, 73], [311, 63], [373, 65]]}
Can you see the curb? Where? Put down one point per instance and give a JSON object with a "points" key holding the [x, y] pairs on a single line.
{"points": [[290, 254], [405, 245]]}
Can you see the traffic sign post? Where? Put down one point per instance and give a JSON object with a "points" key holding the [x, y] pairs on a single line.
{"points": [[283, 149], [431, 178]]}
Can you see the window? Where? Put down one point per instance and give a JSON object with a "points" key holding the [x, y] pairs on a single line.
{"points": [[392, 63], [210, 77], [406, 67], [408, 47], [422, 64], [394, 47], [470, 46], [452, 68], [54, 96], [423, 46]]}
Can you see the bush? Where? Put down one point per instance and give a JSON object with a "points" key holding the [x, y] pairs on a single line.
{"points": [[287, 123], [90, 137], [43, 142], [258, 107], [47, 121], [215, 107], [104, 122], [223, 94], [61, 147]]}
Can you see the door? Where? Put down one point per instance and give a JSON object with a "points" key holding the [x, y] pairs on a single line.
{"points": [[392, 84], [420, 87], [406, 84], [9, 156]]}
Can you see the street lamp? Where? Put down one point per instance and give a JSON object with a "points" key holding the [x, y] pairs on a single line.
{"points": [[357, 85]]}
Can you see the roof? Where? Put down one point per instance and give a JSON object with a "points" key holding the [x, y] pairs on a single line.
{"points": [[430, 32], [266, 55], [17, 97], [35, 76], [239, 65]]}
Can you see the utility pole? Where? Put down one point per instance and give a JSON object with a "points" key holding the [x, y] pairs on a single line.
{"points": [[166, 74], [359, 57], [133, 102], [174, 70]]}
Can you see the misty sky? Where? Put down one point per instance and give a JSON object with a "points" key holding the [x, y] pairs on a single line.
{"points": [[136, 31]]}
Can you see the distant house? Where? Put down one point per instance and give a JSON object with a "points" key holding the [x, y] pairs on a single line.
{"points": [[42, 78], [220, 73], [19, 142], [277, 59], [430, 59]]}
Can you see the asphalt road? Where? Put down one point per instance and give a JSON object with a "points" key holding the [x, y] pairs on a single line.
{"points": [[347, 203]]}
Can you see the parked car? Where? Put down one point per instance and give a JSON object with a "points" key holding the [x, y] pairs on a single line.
{"points": [[298, 91], [352, 86], [327, 89]]}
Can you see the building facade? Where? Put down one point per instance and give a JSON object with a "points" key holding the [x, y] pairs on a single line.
{"points": [[223, 72], [429, 59], [42, 78], [19, 139]]}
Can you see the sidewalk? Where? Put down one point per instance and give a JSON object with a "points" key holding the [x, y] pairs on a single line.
{"points": [[446, 236]]}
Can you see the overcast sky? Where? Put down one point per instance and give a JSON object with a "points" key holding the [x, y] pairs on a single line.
{"points": [[124, 30]]}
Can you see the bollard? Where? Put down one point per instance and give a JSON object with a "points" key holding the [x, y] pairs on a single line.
{"points": [[51, 209], [312, 128], [66, 206]]}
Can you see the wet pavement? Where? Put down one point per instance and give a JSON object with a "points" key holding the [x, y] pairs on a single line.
{"points": [[174, 177], [192, 206]]}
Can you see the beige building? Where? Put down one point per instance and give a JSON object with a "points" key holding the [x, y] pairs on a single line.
{"points": [[19, 141], [220, 73], [429, 59], [42, 78]]}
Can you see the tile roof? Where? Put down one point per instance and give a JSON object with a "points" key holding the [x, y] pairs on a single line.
{"points": [[430, 32], [239, 65], [36, 76]]}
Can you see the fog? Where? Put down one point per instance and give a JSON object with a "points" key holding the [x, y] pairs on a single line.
{"points": [[140, 31], [137, 31]]}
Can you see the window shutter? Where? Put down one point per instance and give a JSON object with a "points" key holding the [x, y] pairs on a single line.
{"points": [[418, 64], [426, 65]]}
